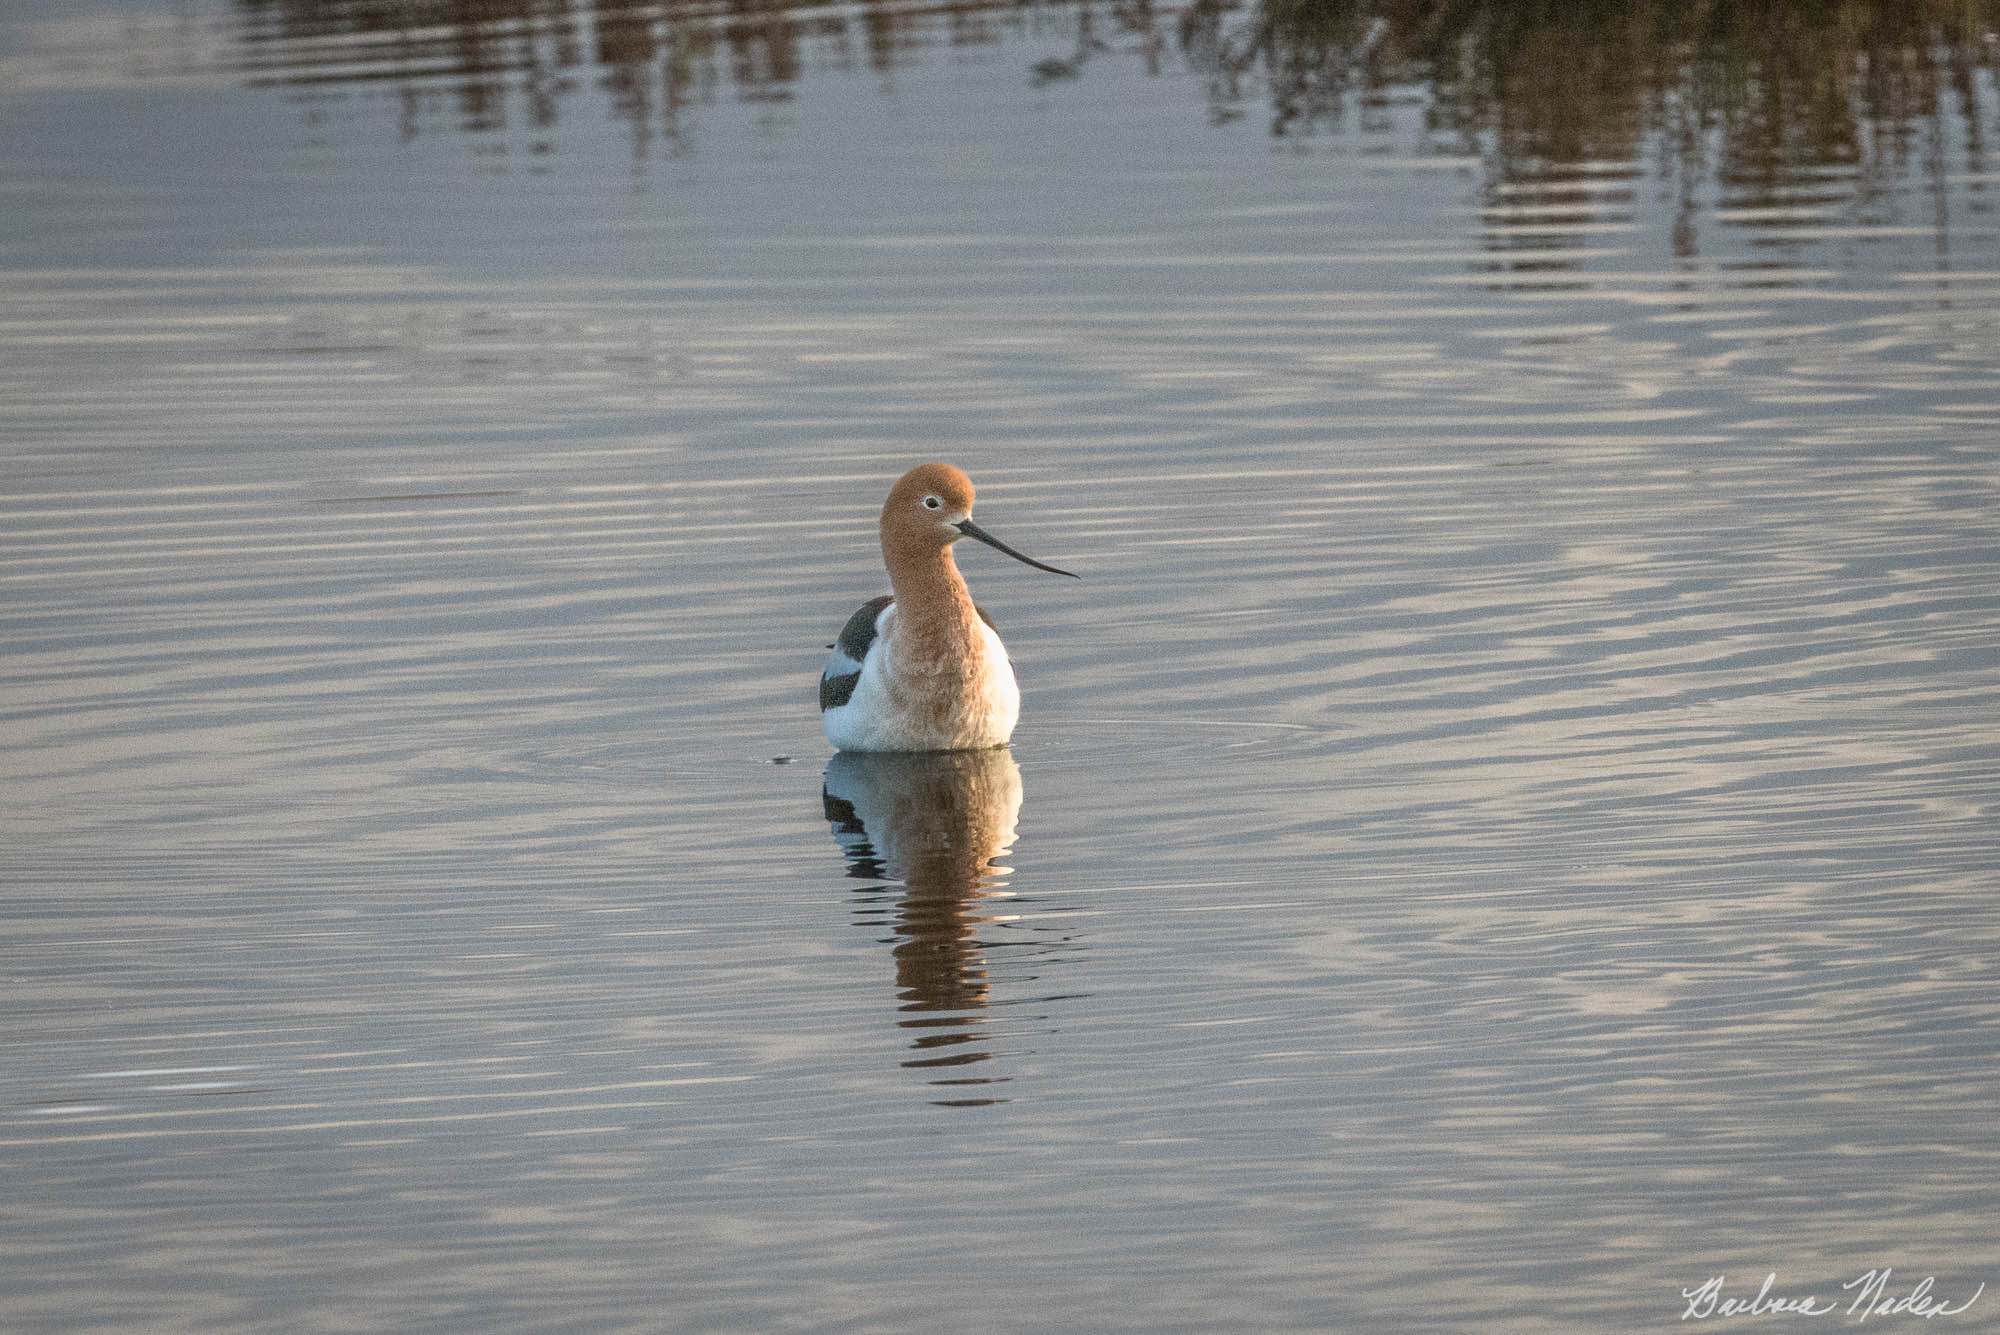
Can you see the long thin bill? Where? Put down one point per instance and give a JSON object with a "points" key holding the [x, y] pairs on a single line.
{"points": [[972, 530]]}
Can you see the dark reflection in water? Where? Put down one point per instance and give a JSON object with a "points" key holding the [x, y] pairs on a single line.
{"points": [[934, 825], [1580, 81], [1562, 83], [1791, 110]]}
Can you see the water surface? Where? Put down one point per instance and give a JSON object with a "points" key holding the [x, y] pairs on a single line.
{"points": [[1503, 832]]}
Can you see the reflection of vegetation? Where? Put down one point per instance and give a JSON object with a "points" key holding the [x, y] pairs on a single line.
{"points": [[1767, 86], [475, 58], [1787, 106], [1310, 55], [1582, 80], [473, 61]]}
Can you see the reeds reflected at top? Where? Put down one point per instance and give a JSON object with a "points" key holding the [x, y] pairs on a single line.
{"points": [[1748, 93]]}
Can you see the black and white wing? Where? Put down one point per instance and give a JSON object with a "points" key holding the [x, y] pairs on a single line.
{"points": [[843, 665]]}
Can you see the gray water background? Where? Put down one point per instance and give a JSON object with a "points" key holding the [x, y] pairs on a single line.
{"points": [[1507, 822]]}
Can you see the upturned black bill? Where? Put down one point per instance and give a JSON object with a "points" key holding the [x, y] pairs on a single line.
{"points": [[972, 530]]}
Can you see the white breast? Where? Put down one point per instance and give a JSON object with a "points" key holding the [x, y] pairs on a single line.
{"points": [[898, 707]]}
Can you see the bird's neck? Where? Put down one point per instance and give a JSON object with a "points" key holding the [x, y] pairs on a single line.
{"points": [[934, 609]]}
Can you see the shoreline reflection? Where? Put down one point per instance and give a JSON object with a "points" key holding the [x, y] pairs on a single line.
{"points": [[1774, 130]]}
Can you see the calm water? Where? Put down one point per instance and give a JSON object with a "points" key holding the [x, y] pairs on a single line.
{"points": [[1505, 830]]}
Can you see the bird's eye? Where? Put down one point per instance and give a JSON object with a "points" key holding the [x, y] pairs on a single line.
{"points": [[932, 502]]}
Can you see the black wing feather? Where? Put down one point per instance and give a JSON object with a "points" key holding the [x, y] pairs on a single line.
{"points": [[855, 638], [859, 632]]}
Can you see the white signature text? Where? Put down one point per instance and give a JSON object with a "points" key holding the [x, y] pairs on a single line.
{"points": [[1872, 1296]]}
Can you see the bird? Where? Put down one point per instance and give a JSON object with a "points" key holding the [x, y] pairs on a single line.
{"points": [[921, 668]]}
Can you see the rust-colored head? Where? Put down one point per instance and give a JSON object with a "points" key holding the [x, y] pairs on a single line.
{"points": [[924, 508], [929, 509]]}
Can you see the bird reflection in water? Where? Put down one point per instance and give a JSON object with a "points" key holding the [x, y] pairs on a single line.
{"points": [[933, 823]]}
